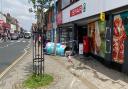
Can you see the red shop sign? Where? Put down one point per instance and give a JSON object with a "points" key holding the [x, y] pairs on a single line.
{"points": [[59, 18], [76, 11]]}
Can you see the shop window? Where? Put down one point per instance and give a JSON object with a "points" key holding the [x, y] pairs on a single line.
{"points": [[96, 33], [48, 35], [66, 35]]}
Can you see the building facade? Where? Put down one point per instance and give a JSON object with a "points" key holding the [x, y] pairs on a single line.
{"points": [[95, 27]]}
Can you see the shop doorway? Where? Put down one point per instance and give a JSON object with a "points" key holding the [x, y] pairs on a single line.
{"points": [[82, 32]]}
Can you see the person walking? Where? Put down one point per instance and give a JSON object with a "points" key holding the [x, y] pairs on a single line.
{"points": [[68, 54]]}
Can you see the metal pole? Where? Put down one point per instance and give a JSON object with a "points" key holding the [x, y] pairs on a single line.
{"points": [[33, 41], [55, 40]]}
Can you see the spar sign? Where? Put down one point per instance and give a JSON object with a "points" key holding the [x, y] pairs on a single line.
{"points": [[78, 10]]}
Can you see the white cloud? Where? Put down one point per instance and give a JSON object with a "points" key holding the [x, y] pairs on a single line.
{"points": [[20, 10], [24, 17]]}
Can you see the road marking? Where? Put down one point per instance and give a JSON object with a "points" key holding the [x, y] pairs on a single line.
{"points": [[23, 41], [11, 41], [72, 82], [15, 62], [18, 41]]}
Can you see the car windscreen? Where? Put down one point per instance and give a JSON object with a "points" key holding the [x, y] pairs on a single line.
{"points": [[27, 34]]}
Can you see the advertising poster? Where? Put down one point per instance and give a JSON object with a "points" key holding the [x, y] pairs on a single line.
{"points": [[91, 34], [96, 34], [100, 38], [119, 36]]}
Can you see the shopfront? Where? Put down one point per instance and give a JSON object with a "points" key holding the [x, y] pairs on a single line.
{"points": [[106, 39]]}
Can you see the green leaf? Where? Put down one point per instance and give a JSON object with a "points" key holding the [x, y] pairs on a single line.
{"points": [[33, 1]]}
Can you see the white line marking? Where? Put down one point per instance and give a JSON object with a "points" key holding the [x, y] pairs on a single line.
{"points": [[23, 41], [7, 69], [11, 41], [14, 63], [11, 44], [72, 82]]}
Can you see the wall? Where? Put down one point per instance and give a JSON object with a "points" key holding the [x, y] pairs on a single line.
{"points": [[13, 28], [65, 3]]}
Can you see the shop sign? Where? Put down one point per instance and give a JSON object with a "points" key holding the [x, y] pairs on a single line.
{"points": [[89, 8], [78, 10], [59, 18], [102, 16]]}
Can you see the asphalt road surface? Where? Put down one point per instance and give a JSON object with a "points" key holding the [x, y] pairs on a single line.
{"points": [[11, 50]]}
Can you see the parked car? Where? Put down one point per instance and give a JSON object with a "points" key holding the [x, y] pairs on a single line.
{"points": [[20, 35], [14, 36], [27, 35]]}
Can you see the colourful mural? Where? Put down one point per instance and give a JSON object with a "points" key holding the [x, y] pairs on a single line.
{"points": [[100, 38], [119, 36]]}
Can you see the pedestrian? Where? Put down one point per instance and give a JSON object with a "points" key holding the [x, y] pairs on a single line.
{"points": [[0, 36], [3, 36], [68, 55]]}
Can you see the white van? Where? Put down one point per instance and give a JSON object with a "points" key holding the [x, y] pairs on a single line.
{"points": [[27, 35]]}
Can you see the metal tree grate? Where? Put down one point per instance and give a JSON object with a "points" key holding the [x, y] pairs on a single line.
{"points": [[38, 54]]}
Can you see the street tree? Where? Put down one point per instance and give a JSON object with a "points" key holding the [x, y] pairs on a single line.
{"points": [[39, 7]]}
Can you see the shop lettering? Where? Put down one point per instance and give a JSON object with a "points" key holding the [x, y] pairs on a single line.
{"points": [[76, 11], [84, 7]]}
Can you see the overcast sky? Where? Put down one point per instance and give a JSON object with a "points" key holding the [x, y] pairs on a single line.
{"points": [[19, 10]]}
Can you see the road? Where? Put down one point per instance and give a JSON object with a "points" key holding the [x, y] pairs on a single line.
{"points": [[10, 51]]}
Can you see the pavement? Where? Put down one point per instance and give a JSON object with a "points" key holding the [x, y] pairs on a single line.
{"points": [[63, 79], [86, 73], [94, 74]]}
